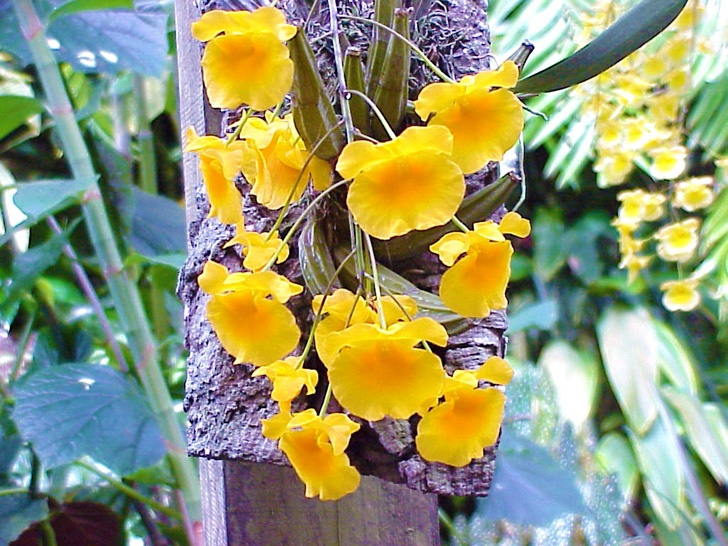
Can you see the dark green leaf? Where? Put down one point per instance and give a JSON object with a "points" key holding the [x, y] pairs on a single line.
{"points": [[9, 448], [31, 264], [158, 225], [76, 6], [79, 523], [630, 32], [16, 513], [15, 110], [529, 487], [39, 199], [83, 409], [549, 251]]}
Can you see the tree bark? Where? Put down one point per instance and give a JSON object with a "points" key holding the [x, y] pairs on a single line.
{"points": [[225, 405]]}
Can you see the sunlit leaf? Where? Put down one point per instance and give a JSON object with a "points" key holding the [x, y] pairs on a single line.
{"points": [[615, 455], [83, 409], [16, 110], [630, 32], [575, 378], [629, 348], [662, 470], [700, 433], [675, 360], [541, 315]]}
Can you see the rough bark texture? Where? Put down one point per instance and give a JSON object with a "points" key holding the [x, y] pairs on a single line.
{"points": [[224, 404]]}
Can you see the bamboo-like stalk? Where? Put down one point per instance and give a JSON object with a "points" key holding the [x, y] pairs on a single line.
{"points": [[148, 183], [124, 292]]}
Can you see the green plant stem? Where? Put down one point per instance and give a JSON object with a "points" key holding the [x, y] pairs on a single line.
{"points": [[417, 51], [131, 492], [300, 219], [49, 536], [375, 276], [460, 224], [148, 183], [375, 109], [320, 312], [124, 292], [22, 347], [289, 198], [14, 491], [339, 62], [88, 290]]}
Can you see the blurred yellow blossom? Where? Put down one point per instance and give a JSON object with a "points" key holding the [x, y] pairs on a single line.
{"points": [[668, 163], [694, 193], [678, 241], [681, 295]]}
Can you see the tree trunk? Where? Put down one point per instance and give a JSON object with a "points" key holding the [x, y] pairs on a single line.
{"points": [[250, 496]]}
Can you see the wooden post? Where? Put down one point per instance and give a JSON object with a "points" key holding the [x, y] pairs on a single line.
{"points": [[249, 496]]}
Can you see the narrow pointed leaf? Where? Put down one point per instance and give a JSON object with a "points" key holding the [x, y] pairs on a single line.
{"points": [[630, 32]]}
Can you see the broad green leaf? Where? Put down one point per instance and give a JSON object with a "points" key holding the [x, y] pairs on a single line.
{"points": [[17, 512], [84, 523], [529, 487], [76, 6], [158, 225], [629, 347], [105, 42], [15, 110], [575, 377], [630, 32], [675, 360], [9, 448], [700, 433], [662, 470], [615, 455], [73, 410], [541, 315], [44, 197]]}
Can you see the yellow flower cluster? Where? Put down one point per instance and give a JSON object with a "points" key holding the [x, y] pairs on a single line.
{"points": [[375, 349], [636, 107]]}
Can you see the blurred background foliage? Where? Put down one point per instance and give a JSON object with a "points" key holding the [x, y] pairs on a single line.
{"points": [[616, 421]]}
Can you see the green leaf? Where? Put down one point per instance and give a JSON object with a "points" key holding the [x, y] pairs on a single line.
{"points": [[529, 487], [630, 32], [575, 378], [76, 6], [549, 253], [541, 315], [84, 409], [657, 455], [615, 455], [158, 225], [629, 347], [675, 361], [106, 42], [17, 512], [700, 433], [15, 111], [44, 197], [30, 265], [9, 448]]}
